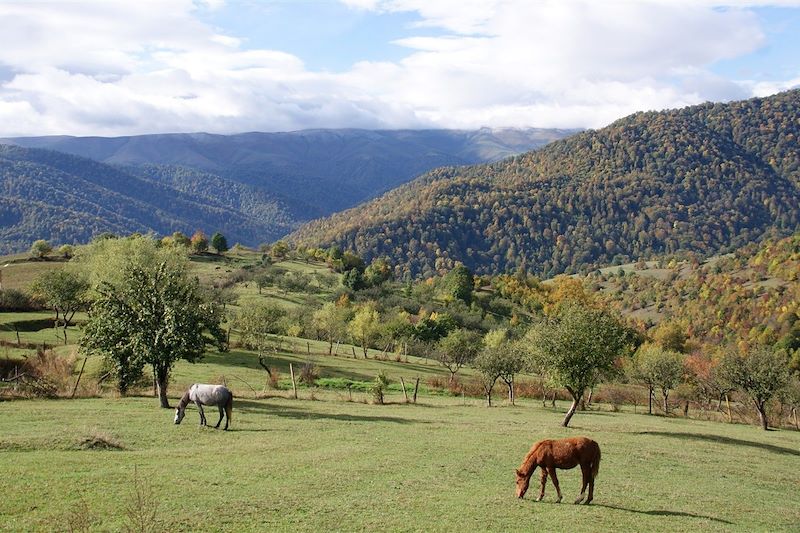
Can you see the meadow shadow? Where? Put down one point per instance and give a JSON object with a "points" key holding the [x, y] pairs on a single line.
{"points": [[284, 411], [664, 513], [723, 440]]}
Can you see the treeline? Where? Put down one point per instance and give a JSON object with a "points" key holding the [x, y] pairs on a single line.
{"points": [[704, 179]]}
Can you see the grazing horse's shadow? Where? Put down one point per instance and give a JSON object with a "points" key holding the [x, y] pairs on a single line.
{"points": [[285, 411], [722, 440], [664, 513]]}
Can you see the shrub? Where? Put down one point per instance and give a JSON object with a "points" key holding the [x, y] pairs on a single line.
{"points": [[309, 374], [379, 388]]}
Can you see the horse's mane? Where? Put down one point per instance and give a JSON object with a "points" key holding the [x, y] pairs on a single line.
{"points": [[525, 467], [184, 399]]}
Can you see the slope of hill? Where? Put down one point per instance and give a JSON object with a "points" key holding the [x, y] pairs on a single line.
{"points": [[64, 198], [751, 295], [706, 179], [313, 172]]}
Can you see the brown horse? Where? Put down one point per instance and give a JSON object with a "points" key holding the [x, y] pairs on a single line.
{"points": [[564, 454]]}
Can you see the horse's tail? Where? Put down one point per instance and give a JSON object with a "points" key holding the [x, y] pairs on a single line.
{"points": [[596, 463], [229, 406]]}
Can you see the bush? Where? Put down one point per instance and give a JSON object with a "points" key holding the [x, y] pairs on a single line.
{"points": [[309, 374], [379, 388], [15, 300]]}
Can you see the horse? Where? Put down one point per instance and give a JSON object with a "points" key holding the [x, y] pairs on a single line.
{"points": [[564, 454], [201, 395]]}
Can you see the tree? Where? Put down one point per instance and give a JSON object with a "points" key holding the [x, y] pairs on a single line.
{"points": [[279, 250], [658, 367], [146, 313], [488, 363], [258, 325], [64, 291], [576, 347], [365, 328], [66, 251], [353, 279], [760, 373], [40, 249], [219, 243], [199, 242], [179, 239], [671, 336], [458, 284], [377, 272], [331, 322], [457, 349]]}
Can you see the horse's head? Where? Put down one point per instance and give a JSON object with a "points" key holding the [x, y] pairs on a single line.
{"points": [[522, 483], [179, 414]]}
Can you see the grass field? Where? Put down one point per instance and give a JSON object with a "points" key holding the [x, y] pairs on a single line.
{"points": [[336, 465]]}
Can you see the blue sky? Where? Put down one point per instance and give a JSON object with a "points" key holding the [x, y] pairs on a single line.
{"points": [[115, 67]]}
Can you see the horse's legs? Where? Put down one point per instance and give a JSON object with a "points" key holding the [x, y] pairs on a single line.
{"points": [[542, 482], [586, 474], [202, 413], [591, 489], [221, 411], [552, 471]]}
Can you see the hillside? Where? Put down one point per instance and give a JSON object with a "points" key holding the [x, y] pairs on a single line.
{"points": [[65, 199], [308, 173], [705, 179]]}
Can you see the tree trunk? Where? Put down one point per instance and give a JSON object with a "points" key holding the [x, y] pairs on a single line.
{"points": [[762, 414], [649, 399], [576, 399], [686, 408], [488, 397], [330, 347], [162, 378], [589, 399], [665, 394]]}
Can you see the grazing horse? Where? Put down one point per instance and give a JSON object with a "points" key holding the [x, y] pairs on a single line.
{"points": [[565, 454], [202, 395]]}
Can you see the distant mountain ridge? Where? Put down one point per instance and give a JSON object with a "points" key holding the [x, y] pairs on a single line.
{"points": [[705, 179], [326, 170], [255, 187]]}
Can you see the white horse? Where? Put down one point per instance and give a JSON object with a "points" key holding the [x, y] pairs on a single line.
{"points": [[202, 395]]}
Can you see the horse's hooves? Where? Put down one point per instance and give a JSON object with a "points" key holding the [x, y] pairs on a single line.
{"points": [[558, 500], [579, 500]]}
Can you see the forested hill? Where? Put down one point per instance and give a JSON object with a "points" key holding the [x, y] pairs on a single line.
{"points": [[706, 179], [313, 172], [65, 199]]}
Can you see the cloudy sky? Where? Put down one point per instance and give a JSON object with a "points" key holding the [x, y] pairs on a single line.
{"points": [[118, 68]]}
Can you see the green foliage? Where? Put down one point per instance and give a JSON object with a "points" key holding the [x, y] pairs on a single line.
{"points": [[760, 373], [40, 249], [353, 279], [219, 243], [279, 250], [66, 251], [458, 348], [331, 323], [378, 388], [459, 283], [64, 291], [365, 327], [577, 347], [706, 179], [149, 316], [259, 324], [659, 368]]}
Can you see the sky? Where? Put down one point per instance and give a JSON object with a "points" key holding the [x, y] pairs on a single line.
{"points": [[115, 68]]}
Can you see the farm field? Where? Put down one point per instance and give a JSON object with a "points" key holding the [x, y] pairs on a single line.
{"points": [[329, 464]]}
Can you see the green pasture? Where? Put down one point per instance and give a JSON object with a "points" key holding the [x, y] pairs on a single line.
{"points": [[333, 465]]}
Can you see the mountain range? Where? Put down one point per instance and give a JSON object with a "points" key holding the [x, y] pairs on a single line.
{"points": [[254, 187], [703, 179]]}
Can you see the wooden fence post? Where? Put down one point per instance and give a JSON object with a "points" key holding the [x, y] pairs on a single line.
{"points": [[294, 384], [405, 392], [416, 388]]}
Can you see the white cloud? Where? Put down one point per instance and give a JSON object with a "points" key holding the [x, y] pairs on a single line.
{"points": [[110, 68]]}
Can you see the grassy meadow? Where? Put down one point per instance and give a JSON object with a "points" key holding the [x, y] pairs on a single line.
{"points": [[332, 461], [330, 464]]}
